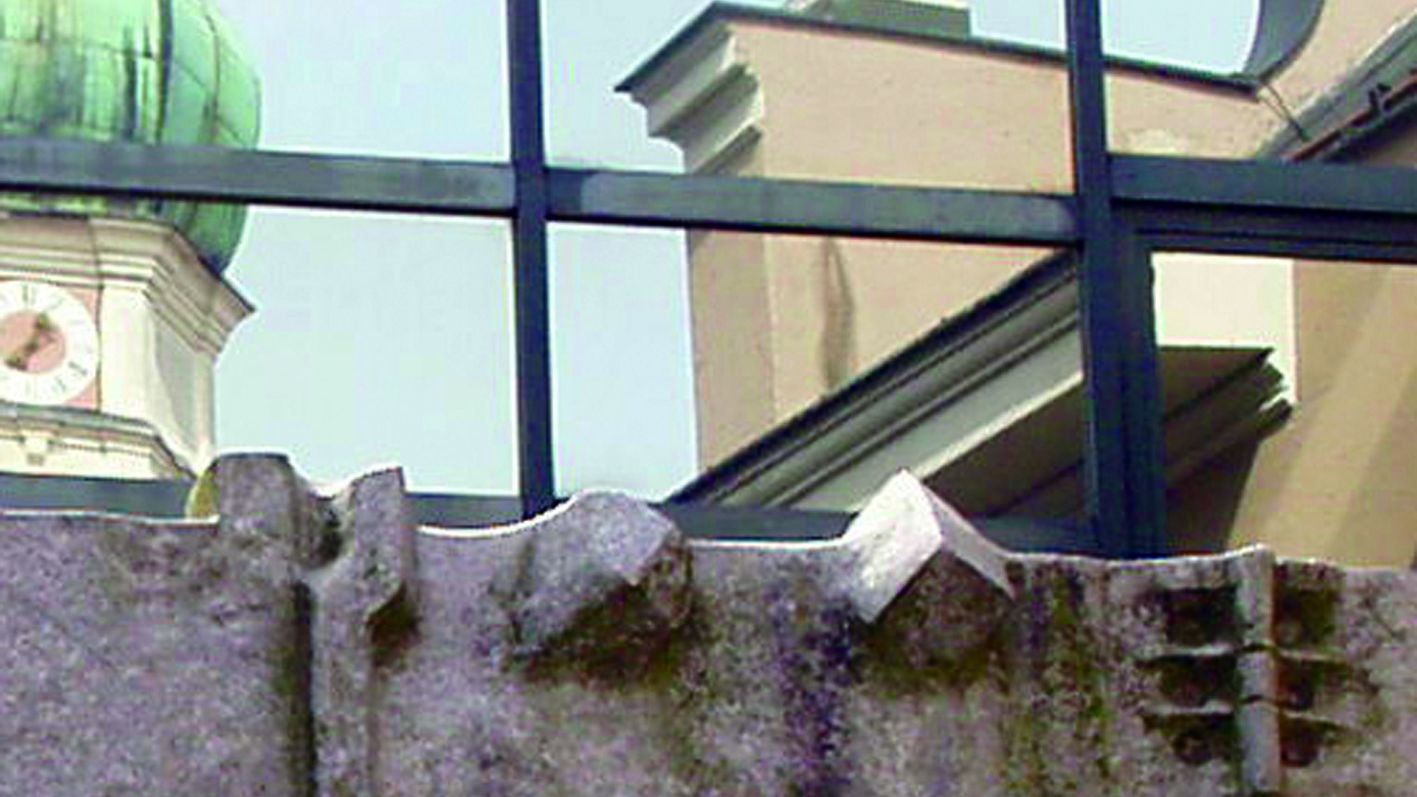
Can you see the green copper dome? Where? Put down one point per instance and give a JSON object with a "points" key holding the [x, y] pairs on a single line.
{"points": [[142, 71]]}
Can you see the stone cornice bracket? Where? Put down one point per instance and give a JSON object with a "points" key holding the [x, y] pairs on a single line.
{"points": [[349, 558], [600, 585], [363, 607], [201, 307], [911, 563]]}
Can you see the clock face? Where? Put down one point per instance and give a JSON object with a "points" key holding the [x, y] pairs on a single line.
{"points": [[48, 344]]}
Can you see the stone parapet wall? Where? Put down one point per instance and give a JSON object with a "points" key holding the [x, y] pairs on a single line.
{"points": [[305, 643]]}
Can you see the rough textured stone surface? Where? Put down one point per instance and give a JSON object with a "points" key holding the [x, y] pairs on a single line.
{"points": [[601, 582], [306, 643], [147, 658], [936, 585], [362, 609]]}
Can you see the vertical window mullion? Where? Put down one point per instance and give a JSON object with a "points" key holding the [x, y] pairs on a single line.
{"points": [[1124, 460], [536, 477]]}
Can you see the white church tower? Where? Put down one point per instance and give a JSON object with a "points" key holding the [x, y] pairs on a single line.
{"points": [[113, 311]]}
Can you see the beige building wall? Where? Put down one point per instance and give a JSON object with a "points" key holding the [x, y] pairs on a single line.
{"points": [[1333, 480], [1337, 480], [842, 105], [838, 105], [732, 331]]}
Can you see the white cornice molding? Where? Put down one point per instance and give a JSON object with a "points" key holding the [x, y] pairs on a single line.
{"points": [[60, 246], [957, 400], [706, 100], [170, 318], [123, 440], [85, 252], [950, 377], [199, 306]]}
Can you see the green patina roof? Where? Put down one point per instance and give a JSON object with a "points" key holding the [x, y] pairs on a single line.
{"points": [[143, 71]]}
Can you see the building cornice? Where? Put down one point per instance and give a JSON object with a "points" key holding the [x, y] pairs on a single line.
{"points": [[719, 15], [75, 428], [1370, 100], [88, 252], [937, 407], [706, 100], [200, 307], [834, 424]]}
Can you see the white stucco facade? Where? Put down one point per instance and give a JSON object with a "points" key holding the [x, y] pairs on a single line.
{"points": [[163, 318]]}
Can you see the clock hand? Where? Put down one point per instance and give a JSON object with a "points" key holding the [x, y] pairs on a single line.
{"points": [[41, 334]]}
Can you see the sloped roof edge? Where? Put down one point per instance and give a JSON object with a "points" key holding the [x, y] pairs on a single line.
{"points": [[870, 387], [1363, 102]]}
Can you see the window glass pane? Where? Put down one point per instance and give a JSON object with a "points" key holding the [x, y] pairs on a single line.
{"points": [[1291, 406], [417, 79], [623, 366], [345, 340], [900, 91], [820, 368], [586, 56], [321, 75], [828, 90], [376, 339], [1312, 86]]}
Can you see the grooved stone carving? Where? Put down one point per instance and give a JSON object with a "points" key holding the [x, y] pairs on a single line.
{"points": [[305, 642]]}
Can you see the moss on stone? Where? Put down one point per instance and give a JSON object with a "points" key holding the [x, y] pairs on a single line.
{"points": [[889, 667], [393, 629], [689, 690], [290, 681], [203, 498], [1058, 687]]}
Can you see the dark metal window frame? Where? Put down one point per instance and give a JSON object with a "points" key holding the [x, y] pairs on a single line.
{"points": [[1123, 208]]}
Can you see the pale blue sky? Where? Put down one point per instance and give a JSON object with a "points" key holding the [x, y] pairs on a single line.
{"points": [[386, 339]]}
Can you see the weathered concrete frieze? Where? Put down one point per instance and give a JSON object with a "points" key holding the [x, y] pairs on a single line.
{"points": [[313, 642]]}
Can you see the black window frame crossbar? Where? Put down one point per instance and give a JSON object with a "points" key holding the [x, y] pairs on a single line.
{"points": [[1123, 208], [487, 190]]}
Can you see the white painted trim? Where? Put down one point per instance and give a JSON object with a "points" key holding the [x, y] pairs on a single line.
{"points": [[950, 377], [706, 99], [202, 308], [931, 437], [961, 399], [163, 318], [67, 442]]}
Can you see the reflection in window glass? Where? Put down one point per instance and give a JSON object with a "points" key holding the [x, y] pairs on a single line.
{"points": [[693, 64], [375, 339], [623, 368], [1295, 406], [422, 79], [825, 365]]}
